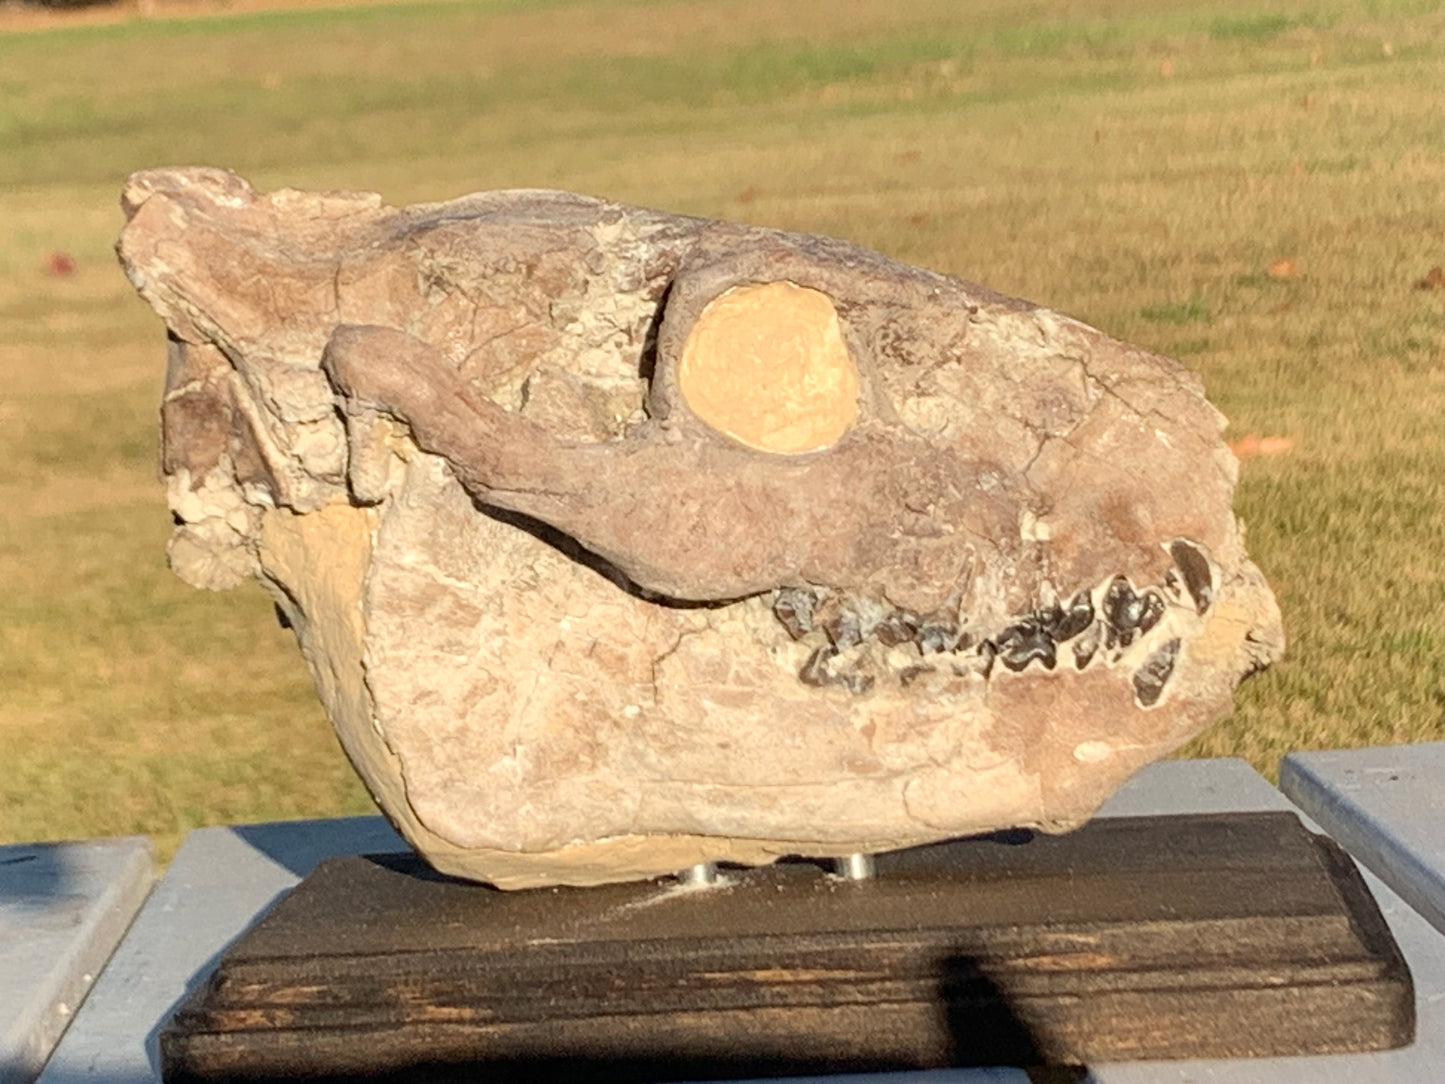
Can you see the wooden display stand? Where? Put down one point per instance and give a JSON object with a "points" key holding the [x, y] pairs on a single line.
{"points": [[1199, 936]]}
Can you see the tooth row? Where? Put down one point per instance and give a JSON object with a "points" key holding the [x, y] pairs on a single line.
{"points": [[1122, 616]]}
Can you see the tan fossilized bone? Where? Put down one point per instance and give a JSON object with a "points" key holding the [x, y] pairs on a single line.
{"points": [[619, 541], [689, 514]]}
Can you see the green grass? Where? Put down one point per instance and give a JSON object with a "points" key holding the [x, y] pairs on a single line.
{"points": [[1177, 312], [1137, 165]]}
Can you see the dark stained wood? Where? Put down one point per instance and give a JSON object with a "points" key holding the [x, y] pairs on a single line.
{"points": [[1161, 937]]}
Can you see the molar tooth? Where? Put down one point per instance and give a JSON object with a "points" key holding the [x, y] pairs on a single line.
{"points": [[1022, 644], [899, 627], [794, 609], [1151, 610], [815, 671], [1198, 576], [1123, 611], [1078, 617], [1150, 678], [936, 637], [845, 630]]}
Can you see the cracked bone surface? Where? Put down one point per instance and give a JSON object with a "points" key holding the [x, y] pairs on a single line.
{"points": [[620, 542]]}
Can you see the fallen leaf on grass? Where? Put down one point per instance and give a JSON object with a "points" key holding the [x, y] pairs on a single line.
{"points": [[1434, 279], [1252, 444], [60, 265]]}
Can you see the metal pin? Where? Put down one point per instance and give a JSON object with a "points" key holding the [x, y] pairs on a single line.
{"points": [[704, 873], [857, 867]]}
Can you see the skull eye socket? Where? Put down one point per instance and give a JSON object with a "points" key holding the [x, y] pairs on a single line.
{"points": [[767, 365]]}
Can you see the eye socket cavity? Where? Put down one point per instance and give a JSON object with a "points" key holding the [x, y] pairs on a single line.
{"points": [[766, 364]]}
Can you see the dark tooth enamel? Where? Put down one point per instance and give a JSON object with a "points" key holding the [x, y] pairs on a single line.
{"points": [[1074, 620], [815, 670], [1122, 611], [935, 637], [899, 627], [1151, 610], [844, 630], [1195, 567], [1149, 679], [1119, 601], [1024, 643], [987, 651], [794, 609], [1121, 617], [913, 673]]}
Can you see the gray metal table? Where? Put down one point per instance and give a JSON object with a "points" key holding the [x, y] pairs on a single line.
{"points": [[1386, 806], [63, 909], [221, 881], [224, 878]]}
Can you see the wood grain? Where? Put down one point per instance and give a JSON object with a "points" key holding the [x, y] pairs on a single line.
{"points": [[1162, 937]]}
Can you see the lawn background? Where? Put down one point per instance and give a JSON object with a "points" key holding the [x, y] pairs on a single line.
{"points": [[1254, 188]]}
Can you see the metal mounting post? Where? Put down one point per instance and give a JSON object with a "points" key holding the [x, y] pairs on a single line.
{"points": [[856, 867], [704, 873]]}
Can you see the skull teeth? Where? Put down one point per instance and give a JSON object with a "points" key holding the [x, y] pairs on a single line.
{"points": [[853, 638]]}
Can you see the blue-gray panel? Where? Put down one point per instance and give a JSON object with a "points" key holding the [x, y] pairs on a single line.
{"points": [[63, 909], [221, 881], [1386, 806]]}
